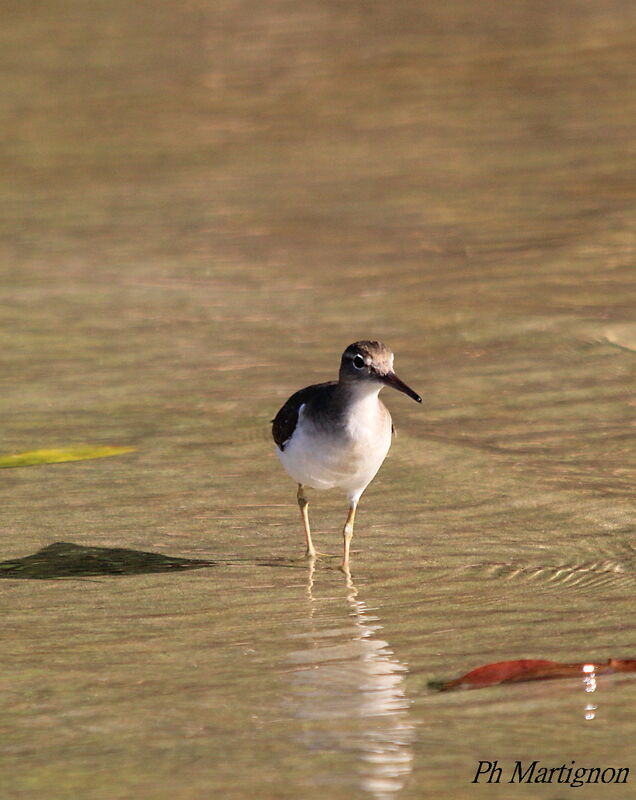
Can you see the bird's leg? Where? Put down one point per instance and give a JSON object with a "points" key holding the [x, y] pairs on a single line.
{"points": [[348, 533], [303, 504]]}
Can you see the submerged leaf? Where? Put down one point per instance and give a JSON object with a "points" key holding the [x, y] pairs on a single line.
{"points": [[532, 670], [57, 455]]}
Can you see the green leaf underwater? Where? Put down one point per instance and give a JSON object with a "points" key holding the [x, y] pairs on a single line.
{"points": [[58, 455]]}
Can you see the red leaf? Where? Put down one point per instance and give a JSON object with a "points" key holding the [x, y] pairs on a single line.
{"points": [[533, 670]]}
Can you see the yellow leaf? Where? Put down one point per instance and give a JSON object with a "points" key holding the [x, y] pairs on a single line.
{"points": [[56, 455]]}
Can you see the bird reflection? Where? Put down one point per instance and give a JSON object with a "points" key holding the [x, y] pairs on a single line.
{"points": [[348, 689]]}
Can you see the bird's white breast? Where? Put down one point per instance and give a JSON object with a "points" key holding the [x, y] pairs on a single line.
{"points": [[347, 457]]}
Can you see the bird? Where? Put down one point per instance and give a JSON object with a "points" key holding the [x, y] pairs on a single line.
{"points": [[337, 434]]}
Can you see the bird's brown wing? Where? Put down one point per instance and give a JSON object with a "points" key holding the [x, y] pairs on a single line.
{"points": [[284, 423]]}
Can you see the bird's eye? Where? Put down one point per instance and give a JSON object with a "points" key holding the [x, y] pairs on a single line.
{"points": [[358, 362]]}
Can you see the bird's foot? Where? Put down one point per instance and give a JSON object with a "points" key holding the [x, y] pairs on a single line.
{"points": [[317, 554], [346, 563]]}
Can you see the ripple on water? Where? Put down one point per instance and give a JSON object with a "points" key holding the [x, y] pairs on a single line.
{"points": [[582, 575]]}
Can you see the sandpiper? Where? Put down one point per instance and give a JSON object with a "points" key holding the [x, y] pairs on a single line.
{"points": [[337, 434]]}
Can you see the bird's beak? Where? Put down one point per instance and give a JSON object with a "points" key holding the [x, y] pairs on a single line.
{"points": [[391, 379]]}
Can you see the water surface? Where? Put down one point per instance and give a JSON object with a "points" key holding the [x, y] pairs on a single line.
{"points": [[202, 207]]}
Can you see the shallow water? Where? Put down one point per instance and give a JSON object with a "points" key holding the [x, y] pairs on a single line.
{"points": [[203, 206]]}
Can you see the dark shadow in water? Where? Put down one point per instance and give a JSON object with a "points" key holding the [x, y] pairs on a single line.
{"points": [[68, 560]]}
